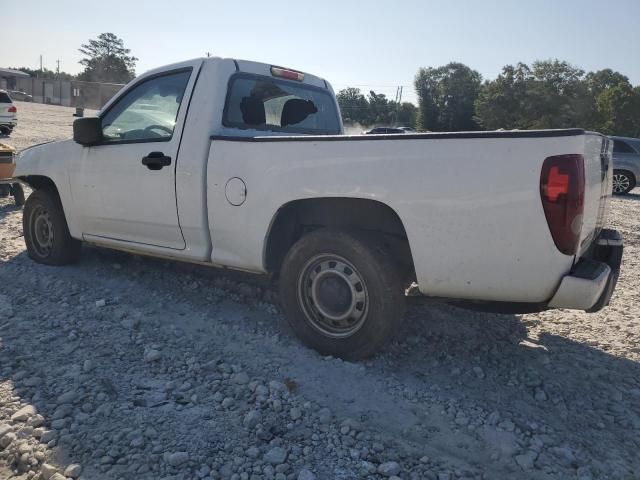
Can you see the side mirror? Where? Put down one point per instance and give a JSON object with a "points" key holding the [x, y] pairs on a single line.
{"points": [[87, 131]]}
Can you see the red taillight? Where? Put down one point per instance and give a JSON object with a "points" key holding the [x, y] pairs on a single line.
{"points": [[12, 109], [562, 193], [288, 74]]}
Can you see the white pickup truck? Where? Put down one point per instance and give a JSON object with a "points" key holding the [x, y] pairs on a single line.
{"points": [[244, 165]]}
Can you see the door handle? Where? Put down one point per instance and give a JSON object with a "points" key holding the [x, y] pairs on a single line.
{"points": [[156, 160]]}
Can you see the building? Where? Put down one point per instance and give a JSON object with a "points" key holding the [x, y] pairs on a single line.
{"points": [[9, 78], [55, 91]]}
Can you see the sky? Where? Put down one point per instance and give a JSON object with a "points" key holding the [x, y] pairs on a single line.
{"points": [[365, 44]]}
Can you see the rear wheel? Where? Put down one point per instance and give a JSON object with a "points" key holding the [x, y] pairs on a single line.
{"points": [[623, 182], [341, 293], [46, 233]]}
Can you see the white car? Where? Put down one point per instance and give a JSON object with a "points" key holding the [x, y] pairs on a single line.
{"points": [[8, 113], [245, 166]]}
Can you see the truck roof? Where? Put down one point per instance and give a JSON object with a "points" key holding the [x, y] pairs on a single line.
{"points": [[246, 66]]}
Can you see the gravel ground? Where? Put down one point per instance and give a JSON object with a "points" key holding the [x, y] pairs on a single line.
{"points": [[124, 367]]}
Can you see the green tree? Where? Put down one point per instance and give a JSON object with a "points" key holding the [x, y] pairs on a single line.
{"points": [[619, 106], [107, 60], [381, 110], [612, 103], [353, 106], [556, 96], [501, 102], [446, 96], [407, 114]]}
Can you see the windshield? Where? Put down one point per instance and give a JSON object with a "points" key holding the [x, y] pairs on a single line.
{"points": [[263, 103]]}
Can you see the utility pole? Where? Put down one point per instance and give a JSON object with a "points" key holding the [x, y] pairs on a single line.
{"points": [[208, 54], [398, 101], [58, 67], [40, 63]]}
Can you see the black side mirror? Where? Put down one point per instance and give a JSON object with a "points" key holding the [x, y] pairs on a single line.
{"points": [[87, 131]]}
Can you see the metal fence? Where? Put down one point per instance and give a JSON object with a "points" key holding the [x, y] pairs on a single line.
{"points": [[70, 93]]}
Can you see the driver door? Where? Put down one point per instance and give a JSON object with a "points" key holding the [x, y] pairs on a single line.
{"points": [[124, 188]]}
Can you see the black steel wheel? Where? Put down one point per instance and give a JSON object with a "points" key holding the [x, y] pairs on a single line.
{"points": [[342, 293]]}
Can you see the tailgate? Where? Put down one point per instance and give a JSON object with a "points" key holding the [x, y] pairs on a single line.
{"points": [[598, 151]]}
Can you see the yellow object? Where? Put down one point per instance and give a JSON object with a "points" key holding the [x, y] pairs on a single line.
{"points": [[7, 162]]}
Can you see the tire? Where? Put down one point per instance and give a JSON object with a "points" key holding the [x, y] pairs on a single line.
{"points": [[341, 293], [18, 194], [46, 233], [623, 182]]}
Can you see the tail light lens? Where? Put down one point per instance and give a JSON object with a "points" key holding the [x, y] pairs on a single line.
{"points": [[12, 109], [562, 193]]}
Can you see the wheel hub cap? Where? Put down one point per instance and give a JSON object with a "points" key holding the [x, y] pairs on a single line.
{"points": [[620, 183], [43, 232], [333, 296]]}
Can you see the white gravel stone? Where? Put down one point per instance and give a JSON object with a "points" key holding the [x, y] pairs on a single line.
{"points": [[275, 456], [152, 355], [47, 470], [305, 474], [176, 459], [24, 413], [73, 470], [251, 419], [389, 469]]}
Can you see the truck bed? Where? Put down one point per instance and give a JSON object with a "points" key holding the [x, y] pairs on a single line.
{"points": [[469, 201]]}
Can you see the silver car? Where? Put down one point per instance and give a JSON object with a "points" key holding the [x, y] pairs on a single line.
{"points": [[626, 164], [8, 114]]}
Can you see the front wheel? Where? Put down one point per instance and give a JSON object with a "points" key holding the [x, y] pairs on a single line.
{"points": [[341, 293], [46, 233], [623, 182]]}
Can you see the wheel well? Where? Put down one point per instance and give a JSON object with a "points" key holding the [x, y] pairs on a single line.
{"points": [[39, 182], [299, 217]]}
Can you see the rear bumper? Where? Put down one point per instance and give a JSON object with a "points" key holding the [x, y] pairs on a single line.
{"points": [[591, 282]]}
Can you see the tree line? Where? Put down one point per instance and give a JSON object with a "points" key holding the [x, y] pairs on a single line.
{"points": [[105, 60], [545, 94], [375, 108]]}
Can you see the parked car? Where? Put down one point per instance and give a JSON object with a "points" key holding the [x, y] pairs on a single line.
{"points": [[8, 113], [255, 174], [626, 164], [384, 131], [408, 129], [20, 96]]}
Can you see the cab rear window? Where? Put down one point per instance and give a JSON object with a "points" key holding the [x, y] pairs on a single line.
{"points": [[264, 103], [4, 97]]}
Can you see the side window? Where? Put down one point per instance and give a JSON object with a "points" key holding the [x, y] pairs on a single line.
{"points": [[622, 147], [148, 112]]}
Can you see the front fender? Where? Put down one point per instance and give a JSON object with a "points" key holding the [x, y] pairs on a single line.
{"points": [[51, 161]]}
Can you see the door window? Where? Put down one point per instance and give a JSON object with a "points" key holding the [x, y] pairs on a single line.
{"points": [[148, 112], [622, 147]]}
